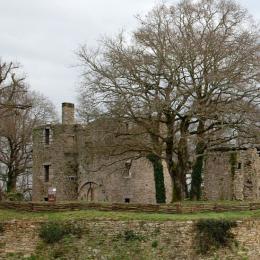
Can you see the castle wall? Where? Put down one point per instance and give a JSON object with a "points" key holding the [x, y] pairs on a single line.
{"points": [[222, 181], [66, 152], [75, 167], [60, 155], [77, 173], [113, 178], [217, 177], [117, 183]]}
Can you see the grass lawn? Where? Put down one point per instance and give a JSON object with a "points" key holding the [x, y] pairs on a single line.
{"points": [[6, 215]]}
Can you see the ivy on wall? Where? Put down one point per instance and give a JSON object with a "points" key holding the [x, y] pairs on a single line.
{"points": [[196, 176], [158, 177], [233, 163]]}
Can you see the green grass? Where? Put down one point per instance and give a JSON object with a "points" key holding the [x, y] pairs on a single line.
{"points": [[6, 215]]}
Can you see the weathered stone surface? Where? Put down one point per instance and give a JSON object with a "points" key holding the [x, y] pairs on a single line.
{"points": [[241, 184], [177, 239], [19, 236]]}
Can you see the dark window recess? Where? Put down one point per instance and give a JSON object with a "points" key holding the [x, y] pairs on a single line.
{"points": [[239, 165], [47, 136], [127, 200], [46, 199], [72, 178], [46, 172]]}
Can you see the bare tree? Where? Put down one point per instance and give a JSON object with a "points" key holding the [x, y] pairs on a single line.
{"points": [[11, 84], [180, 79], [88, 105], [22, 110]]}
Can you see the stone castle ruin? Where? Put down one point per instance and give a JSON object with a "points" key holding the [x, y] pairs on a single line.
{"points": [[63, 164], [64, 168]]}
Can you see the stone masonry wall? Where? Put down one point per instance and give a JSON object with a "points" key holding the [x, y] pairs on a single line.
{"points": [[68, 114], [115, 184], [61, 156], [220, 183], [77, 175], [176, 240]]}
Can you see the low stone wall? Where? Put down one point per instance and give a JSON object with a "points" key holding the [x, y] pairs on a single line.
{"points": [[176, 240], [18, 236], [159, 208]]}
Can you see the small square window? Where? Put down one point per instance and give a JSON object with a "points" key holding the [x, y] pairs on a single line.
{"points": [[46, 199], [127, 200]]}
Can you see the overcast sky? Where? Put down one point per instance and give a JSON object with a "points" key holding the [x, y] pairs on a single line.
{"points": [[43, 35]]}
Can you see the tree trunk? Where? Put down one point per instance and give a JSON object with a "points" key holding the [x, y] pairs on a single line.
{"points": [[196, 176], [183, 157], [11, 183], [177, 170], [176, 188]]}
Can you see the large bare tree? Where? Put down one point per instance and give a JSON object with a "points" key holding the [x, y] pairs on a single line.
{"points": [[181, 78]]}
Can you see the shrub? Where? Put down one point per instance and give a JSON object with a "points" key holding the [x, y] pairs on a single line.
{"points": [[130, 235], [14, 196], [154, 244], [53, 232], [214, 234]]}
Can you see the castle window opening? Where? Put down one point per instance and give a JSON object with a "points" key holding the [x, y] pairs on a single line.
{"points": [[127, 200], [239, 165], [46, 173], [72, 178], [47, 135]]}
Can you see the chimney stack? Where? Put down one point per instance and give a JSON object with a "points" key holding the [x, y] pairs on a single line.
{"points": [[67, 113]]}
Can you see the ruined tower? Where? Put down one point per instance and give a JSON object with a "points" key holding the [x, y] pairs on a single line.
{"points": [[55, 158]]}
